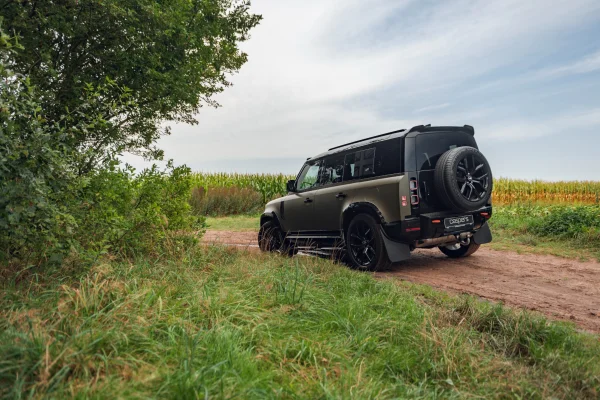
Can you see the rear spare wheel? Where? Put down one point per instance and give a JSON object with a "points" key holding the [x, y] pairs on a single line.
{"points": [[463, 179]]}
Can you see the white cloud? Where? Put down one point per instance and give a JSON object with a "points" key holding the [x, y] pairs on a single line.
{"points": [[565, 123], [310, 63], [588, 64], [432, 108]]}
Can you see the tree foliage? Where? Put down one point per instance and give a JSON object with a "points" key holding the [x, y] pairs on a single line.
{"points": [[167, 57], [48, 209]]}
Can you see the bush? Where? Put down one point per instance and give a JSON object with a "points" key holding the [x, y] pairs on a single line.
{"points": [[576, 222], [35, 176], [558, 221], [128, 214], [220, 201]]}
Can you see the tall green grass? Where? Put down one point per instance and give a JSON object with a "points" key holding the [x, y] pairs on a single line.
{"points": [[222, 324]]}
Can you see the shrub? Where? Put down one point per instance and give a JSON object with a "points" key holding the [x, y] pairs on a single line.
{"points": [[34, 173], [128, 214], [226, 201], [557, 221], [577, 222]]}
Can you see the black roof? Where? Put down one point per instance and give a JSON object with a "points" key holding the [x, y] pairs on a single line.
{"points": [[393, 135]]}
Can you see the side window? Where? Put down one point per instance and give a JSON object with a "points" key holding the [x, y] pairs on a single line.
{"points": [[388, 157], [332, 169], [359, 164], [309, 176]]}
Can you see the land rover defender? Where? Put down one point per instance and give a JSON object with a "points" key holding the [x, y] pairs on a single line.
{"points": [[375, 200]]}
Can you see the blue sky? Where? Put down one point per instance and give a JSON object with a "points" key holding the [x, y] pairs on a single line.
{"points": [[525, 74]]}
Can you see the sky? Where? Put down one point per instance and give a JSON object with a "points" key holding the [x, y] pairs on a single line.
{"points": [[525, 74]]}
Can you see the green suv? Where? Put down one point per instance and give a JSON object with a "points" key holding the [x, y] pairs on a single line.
{"points": [[377, 199]]}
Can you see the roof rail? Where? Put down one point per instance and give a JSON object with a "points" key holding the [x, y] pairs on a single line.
{"points": [[362, 140]]}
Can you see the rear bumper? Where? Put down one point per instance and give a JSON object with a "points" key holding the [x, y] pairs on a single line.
{"points": [[400, 251], [431, 226]]}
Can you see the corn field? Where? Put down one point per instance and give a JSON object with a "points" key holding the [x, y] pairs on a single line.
{"points": [[506, 191], [509, 191], [269, 186]]}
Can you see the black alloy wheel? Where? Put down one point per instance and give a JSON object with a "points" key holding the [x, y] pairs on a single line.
{"points": [[472, 178], [463, 179], [362, 243], [365, 248]]}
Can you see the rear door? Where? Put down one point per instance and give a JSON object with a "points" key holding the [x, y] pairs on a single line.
{"points": [[331, 195], [429, 148], [299, 208], [341, 170]]}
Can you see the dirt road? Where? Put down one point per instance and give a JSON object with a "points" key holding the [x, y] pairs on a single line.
{"points": [[560, 288]]}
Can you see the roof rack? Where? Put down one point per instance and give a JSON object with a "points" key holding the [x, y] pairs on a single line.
{"points": [[372, 137]]}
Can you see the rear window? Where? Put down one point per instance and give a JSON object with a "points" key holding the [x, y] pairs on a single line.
{"points": [[359, 164], [382, 159], [431, 146]]}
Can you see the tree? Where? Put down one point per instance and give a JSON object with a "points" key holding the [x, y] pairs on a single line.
{"points": [[34, 172], [154, 60]]}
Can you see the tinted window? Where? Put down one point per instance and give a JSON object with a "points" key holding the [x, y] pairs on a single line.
{"points": [[359, 164], [309, 176], [332, 169], [387, 157], [431, 146]]}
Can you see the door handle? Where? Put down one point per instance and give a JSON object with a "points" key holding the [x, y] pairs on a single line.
{"points": [[340, 195], [308, 200]]}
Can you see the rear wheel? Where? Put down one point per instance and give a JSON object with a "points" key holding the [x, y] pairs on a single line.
{"points": [[459, 251], [364, 245]]}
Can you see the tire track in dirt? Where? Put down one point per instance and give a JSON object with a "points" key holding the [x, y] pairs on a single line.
{"points": [[557, 287]]}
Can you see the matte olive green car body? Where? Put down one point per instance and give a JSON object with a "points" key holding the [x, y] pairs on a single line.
{"points": [[404, 203]]}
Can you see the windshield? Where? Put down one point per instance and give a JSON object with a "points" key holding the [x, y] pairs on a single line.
{"points": [[309, 176]]}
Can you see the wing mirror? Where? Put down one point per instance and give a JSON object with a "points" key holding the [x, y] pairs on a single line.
{"points": [[291, 186]]}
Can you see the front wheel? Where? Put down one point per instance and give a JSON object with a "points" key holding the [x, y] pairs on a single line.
{"points": [[270, 237], [458, 251], [364, 244]]}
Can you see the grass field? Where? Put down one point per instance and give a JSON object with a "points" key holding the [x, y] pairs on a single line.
{"points": [[239, 223], [218, 323]]}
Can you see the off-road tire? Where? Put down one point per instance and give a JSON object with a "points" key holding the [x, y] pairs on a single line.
{"points": [[453, 193], [463, 251], [379, 256], [271, 238]]}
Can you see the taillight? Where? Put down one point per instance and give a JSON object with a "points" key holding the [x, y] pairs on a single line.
{"points": [[404, 201], [414, 191]]}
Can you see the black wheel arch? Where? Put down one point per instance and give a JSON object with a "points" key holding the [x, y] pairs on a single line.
{"points": [[269, 216], [361, 207]]}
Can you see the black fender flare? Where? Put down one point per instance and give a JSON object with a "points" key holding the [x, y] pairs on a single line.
{"points": [[358, 207], [269, 216]]}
